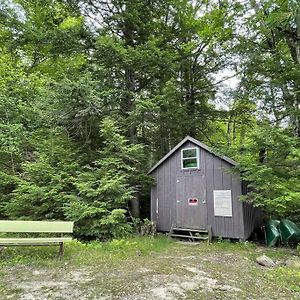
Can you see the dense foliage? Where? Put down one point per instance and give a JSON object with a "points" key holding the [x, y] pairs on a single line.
{"points": [[92, 93]]}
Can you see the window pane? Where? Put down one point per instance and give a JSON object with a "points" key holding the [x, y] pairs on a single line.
{"points": [[189, 153], [190, 163]]}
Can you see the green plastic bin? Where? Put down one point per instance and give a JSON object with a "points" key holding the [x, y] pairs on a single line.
{"points": [[272, 233], [290, 232]]}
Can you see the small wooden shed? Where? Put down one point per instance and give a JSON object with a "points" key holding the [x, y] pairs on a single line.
{"points": [[194, 188]]}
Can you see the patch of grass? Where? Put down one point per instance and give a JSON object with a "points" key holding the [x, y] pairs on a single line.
{"points": [[285, 277], [78, 253], [250, 249], [120, 249], [23, 255], [227, 245], [278, 253]]}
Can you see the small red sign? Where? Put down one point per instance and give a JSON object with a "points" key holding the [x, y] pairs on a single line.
{"points": [[193, 201]]}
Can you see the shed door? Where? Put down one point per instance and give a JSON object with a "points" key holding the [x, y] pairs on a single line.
{"points": [[191, 207]]}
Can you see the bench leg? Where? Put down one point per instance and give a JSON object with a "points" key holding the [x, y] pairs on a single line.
{"points": [[61, 249]]}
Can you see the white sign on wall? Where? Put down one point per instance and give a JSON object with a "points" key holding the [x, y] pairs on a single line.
{"points": [[222, 203]]}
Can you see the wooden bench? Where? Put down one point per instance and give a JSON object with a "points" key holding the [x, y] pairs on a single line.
{"points": [[59, 228]]}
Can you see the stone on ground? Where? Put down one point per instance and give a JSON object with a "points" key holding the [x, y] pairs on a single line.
{"points": [[265, 261]]}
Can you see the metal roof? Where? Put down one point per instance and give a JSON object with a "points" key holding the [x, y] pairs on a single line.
{"points": [[196, 142]]}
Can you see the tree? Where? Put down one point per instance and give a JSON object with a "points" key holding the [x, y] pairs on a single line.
{"points": [[273, 177], [269, 60], [104, 187]]}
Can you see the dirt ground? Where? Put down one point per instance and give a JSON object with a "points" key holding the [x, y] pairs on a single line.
{"points": [[181, 271]]}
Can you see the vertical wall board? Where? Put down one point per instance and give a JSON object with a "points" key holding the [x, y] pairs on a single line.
{"points": [[246, 217], [218, 185], [154, 215], [257, 217], [249, 223], [180, 190], [161, 199], [167, 186], [177, 157], [229, 222], [154, 197], [239, 231], [253, 217], [203, 179], [203, 154], [209, 190], [172, 189], [247, 213]]}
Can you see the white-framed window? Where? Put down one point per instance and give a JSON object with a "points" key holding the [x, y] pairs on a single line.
{"points": [[190, 158]]}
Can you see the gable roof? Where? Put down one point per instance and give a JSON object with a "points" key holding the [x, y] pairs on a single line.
{"points": [[196, 142]]}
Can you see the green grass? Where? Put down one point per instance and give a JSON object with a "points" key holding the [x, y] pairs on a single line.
{"points": [[84, 253], [285, 277]]}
